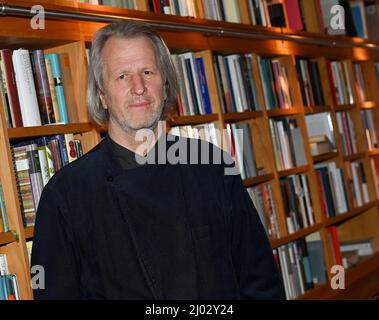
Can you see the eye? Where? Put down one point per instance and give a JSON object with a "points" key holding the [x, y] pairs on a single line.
{"points": [[147, 72], [121, 77]]}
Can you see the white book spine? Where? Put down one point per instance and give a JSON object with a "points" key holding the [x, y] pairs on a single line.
{"points": [[26, 88]]}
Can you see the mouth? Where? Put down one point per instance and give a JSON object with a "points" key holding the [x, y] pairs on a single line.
{"points": [[143, 104]]}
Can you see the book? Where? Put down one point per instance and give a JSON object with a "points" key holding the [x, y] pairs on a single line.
{"points": [[364, 247], [26, 88], [59, 89]]}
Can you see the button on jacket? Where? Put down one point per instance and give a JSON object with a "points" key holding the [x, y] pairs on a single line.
{"points": [[156, 231]]}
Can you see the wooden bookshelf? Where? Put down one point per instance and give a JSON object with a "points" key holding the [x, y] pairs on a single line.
{"points": [[251, 182], [239, 116], [6, 238], [296, 235], [325, 156], [208, 38], [192, 120], [28, 132]]}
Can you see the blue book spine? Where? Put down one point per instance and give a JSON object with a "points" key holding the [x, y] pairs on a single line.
{"points": [[203, 85], [62, 148], [54, 58]]}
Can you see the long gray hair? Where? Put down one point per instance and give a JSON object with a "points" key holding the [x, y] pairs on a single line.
{"points": [[127, 30]]}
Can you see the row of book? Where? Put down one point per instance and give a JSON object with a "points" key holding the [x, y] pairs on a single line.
{"points": [[237, 141], [193, 87], [361, 17], [342, 91], [321, 132], [297, 202], [331, 189], [237, 87], [8, 282], [347, 133], [358, 183], [310, 83], [369, 121], [302, 265], [302, 262], [288, 143], [263, 199], [36, 161], [206, 131], [236, 84], [36, 87], [4, 224]]}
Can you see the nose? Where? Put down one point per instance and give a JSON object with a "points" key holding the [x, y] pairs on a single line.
{"points": [[138, 85]]}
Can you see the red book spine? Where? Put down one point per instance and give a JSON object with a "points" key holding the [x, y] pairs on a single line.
{"points": [[331, 82], [336, 246], [10, 80]]}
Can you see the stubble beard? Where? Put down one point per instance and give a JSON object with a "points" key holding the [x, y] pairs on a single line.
{"points": [[130, 127]]}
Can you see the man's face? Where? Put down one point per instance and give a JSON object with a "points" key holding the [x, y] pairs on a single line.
{"points": [[133, 84]]}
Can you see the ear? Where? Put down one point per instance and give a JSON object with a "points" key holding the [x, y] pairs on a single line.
{"points": [[102, 99]]}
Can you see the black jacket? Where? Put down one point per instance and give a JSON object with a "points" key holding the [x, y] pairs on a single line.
{"points": [[153, 232]]}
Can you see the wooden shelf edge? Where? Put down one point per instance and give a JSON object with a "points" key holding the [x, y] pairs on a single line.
{"points": [[6, 238], [251, 182], [282, 112], [190, 120], [373, 152], [296, 235], [350, 214], [325, 156], [344, 107], [354, 157], [296, 170], [245, 115], [316, 109], [46, 130]]}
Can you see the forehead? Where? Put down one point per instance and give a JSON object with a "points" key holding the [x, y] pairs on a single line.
{"points": [[133, 49]]}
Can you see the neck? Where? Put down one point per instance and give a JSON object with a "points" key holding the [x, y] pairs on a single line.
{"points": [[141, 143]]}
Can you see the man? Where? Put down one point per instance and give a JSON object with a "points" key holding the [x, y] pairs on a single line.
{"points": [[109, 226]]}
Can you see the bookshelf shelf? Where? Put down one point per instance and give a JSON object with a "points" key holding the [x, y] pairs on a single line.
{"points": [[344, 107], [193, 120], [40, 131], [238, 116], [351, 214], [354, 157], [288, 172], [296, 235], [282, 112], [373, 152], [325, 156], [6, 238], [316, 109], [251, 182]]}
